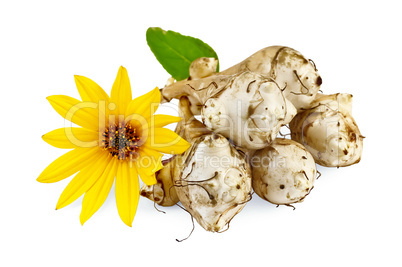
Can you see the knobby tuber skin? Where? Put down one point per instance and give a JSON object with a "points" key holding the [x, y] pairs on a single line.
{"points": [[235, 148], [250, 111], [328, 131], [284, 172], [211, 179], [289, 68], [197, 90], [203, 67], [215, 183], [163, 192], [246, 107], [215, 180], [296, 75]]}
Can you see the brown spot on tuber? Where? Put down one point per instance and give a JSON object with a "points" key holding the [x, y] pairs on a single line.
{"points": [[353, 137], [282, 186], [319, 81]]}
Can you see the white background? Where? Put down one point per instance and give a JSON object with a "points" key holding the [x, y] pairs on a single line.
{"points": [[351, 218]]}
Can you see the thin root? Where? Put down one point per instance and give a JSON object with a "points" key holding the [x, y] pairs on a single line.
{"points": [[192, 167], [227, 228], [179, 183], [228, 223], [282, 89], [312, 62], [200, 181], [184, 185], [298, 78], [158, 209], [247, 200], [153, 195], [248, 86], [289, 205], [192, 221], [201, 89], [305, 175], [308, 193]]}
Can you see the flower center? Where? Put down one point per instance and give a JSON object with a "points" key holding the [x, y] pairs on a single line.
{"points": [[121, 140]]}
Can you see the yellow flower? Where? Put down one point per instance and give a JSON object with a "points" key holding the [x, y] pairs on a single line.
{"points": [[120, 138]]}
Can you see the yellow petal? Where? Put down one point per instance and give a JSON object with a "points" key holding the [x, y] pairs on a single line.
{"points": [[68, 164], [121, 91], [97, 194], [148, 179], [145, 105], [166, 141], [127, 192], [149, 160], [83, 181], [81, 113], [71, 137], [89, 90], [160, 120]]}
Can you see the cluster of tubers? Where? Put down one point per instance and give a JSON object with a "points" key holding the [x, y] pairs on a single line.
{"points": [[235, 149]]}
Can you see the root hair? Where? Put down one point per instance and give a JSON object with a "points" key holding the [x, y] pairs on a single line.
{"points": [[303, 86], [153, 195], [248, 86], [287, 205], [179, 183], [305, 175], [319, 174], [227, 227], [185, 185], [312, 62], [306, 194], [291, 206], [192, 221], [282, 89], [206, 180], [201, 89]]}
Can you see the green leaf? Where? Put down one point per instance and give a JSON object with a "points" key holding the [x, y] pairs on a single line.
{"points": [[176, 52]]}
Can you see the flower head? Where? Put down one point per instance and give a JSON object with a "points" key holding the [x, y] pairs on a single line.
{"points": [[119, 140]]}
